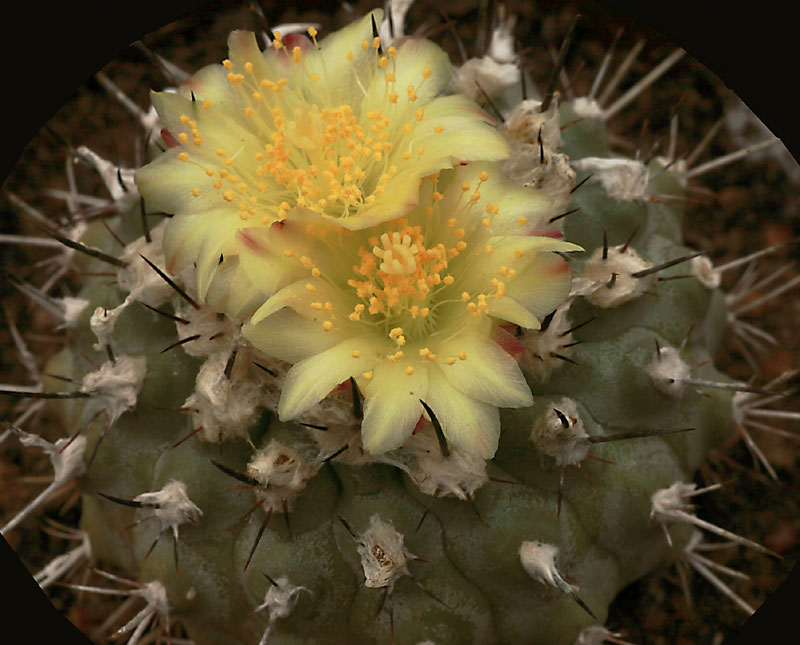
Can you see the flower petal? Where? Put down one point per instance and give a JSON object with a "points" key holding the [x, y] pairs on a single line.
{"points": [[487, 373], [508, 309], [290, 337], [336, 72], [232, 292], [467, 133], [543, 286], [467, 423], [414, 57], [311, 380], [391, 406]]}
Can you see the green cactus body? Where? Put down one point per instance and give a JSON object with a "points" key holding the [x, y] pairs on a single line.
{"points": [[469, 586]]}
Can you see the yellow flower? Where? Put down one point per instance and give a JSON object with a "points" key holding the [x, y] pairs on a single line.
{"points": [[409, 307], [344, 127]]}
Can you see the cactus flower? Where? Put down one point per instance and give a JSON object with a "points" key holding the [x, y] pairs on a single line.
{"points": [[409, 307], [343, 127]]}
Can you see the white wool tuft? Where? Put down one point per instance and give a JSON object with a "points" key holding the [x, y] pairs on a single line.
{"points": [[568, 446], [279, 602], [458, 475], [587, 108], [217, 331], [493, 77], [73, 308], [554, 177], [666, 501], [622, 179], [138, 277], [539, 561], [669, 371], [116, 384], [172, 506], [526, 120], [227, 408], [597, 284], [702, 268], [114, 178], [538, 359], [282, 472], [383, 555]]}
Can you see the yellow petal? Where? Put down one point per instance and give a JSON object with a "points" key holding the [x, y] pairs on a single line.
{"points": [[543, 286], [487, 374], [391, 406], [467, 423], [311, 380], [290, 337]]}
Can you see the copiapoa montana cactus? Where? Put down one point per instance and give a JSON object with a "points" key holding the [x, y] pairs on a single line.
{"points": [[330, 517]]}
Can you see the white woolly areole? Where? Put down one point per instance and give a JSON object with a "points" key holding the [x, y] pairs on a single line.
{"points": [[116, 384], [383, 555], [138, 277], [102, 325], [61, 565], [597, 635], [155, 595], [669, 371], [279, 602], [702, 268], [623, 179], [598, 285], [538, 359], [568, 446], [335, 412], [539, 561], [282, 472], [554, 177], [216, 331], [665, 501], [587, 108], [73, 308], [139, 280], [501, 45], [227, 408], [67, 464], [526, 120], [172, 506], [111, 175], [739, 409], [493, 77], [458, 475]]}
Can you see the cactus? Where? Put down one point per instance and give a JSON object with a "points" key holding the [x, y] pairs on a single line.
{"points": [[461, 398]]}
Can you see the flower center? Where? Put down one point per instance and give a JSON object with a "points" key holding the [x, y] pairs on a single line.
{"points": [[397, 254], [312, 152]]}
